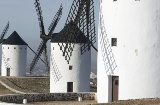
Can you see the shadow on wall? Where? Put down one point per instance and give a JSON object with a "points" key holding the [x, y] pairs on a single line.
{"points": [[107, 54], [54, 70]]}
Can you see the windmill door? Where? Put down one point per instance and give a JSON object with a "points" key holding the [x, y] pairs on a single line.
{"points": [[115, 83], [69, 86], [8, 71]]}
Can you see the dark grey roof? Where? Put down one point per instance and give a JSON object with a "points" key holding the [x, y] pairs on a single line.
{"points": [[81, 38], [14, 39]]}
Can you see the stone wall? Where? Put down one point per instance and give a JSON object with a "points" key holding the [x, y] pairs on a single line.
{"points": [[46, 97]]}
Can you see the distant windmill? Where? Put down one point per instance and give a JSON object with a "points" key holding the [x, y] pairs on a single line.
{"points": [[43, 47], [4, 33]]}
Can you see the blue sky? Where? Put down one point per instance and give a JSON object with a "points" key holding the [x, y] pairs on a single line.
{"points": [[23, 18]]}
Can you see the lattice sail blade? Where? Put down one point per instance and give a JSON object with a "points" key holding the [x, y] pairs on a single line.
{"points": [[37, 56], [4, 32], [72, 29], [87, 26], [55, 21], [35, 53], [40, 17], [107, 54], [81, 18], [46, 59]]}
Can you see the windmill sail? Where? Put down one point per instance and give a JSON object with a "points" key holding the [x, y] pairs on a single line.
{"points": [[40, 17], [4, 32], [81, 15], [43, 45]]}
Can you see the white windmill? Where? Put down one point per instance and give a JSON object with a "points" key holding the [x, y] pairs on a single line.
{"points": [[132, 28], [14, 55], [70, 50]]}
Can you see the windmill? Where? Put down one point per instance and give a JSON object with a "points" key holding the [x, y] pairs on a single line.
{"points": [[73, 50], [81, 15], [4, 33], [43, 47]]}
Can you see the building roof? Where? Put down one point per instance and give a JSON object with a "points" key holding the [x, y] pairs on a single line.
{"points": [[14, 39], [81, 38]]}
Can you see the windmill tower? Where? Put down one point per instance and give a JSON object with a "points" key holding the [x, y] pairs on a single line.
{"points": [[70, 50], [14, 54], [132, 30], [69, 77]]}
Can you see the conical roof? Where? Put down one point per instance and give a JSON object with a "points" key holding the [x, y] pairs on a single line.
{"points": [[14, 39], [80, 38]]}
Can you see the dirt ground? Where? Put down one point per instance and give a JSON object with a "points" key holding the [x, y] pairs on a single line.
{"points": [[155, 101], [87, 102], [4, 90]]}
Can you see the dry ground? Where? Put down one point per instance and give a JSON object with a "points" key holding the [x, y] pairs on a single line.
{"points": [[41, 83], [87, 102], [93, 102], [4, 90], [135, 102]]}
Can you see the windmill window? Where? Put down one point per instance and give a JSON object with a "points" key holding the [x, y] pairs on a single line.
{"points": [[3, 47], [61, 48], [14, 47], [8, 47], [114, 41], [114, 0], [70, 67], [25, 48], [137, 0], [53, 48], [20, 48]]}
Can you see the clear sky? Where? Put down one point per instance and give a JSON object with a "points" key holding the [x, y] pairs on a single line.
{"points": [[23, 18]]}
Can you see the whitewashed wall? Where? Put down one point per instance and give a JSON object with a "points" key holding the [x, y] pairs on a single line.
{"points": [[16, 60], [136, 25], [80, 75]]}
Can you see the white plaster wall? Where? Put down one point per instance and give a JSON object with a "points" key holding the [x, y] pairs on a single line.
{"points": [[80, 75], [136, 25], [17, 59]]}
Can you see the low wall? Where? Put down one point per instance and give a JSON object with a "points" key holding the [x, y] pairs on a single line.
{"points": [[46, 97]]}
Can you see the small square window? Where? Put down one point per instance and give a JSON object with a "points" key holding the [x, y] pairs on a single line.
{"points": [[14, 47], [61, 48], [114, 41], [8, 47], [25, 48], [114, 0], [53, 48], [3, 47], [20, 48], [70, 67]]}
